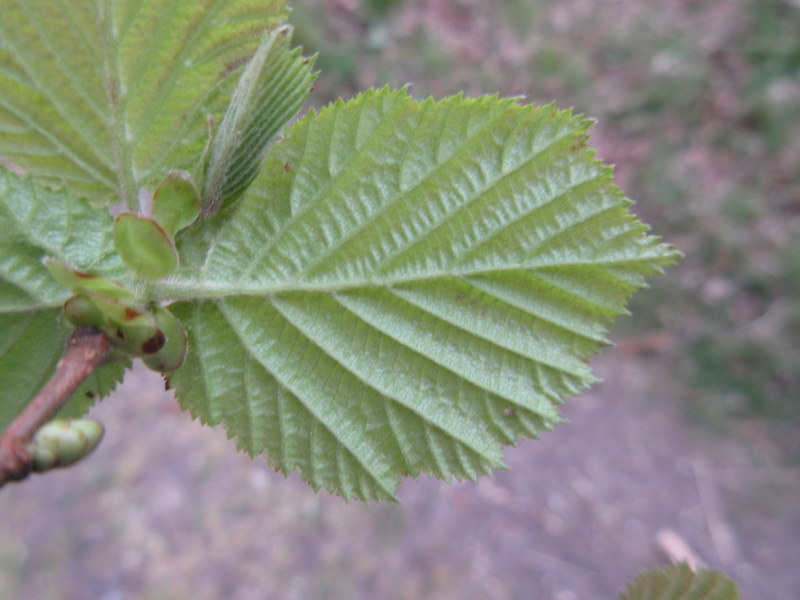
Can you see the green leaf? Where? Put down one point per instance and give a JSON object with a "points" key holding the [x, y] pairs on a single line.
{"points": [[38, 223], [679, 582], [407, 287], [107, 95], [273, 87]]}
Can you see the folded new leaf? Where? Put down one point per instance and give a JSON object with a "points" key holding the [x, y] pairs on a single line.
{"points": [[273, 87]]}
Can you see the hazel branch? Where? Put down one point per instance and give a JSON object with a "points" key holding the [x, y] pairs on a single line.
{"points": [[86, 349]]}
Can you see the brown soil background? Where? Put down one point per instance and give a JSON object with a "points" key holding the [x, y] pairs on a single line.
{"points": [[167, 509]]}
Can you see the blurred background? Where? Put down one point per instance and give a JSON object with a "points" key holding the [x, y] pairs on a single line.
{"points": [[691, 443]]}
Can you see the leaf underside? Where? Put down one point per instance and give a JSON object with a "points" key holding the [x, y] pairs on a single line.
{"points": [[407, 287], [108, 95]]}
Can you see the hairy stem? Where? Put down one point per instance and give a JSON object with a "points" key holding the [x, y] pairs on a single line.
{"points": [[86, 349]]}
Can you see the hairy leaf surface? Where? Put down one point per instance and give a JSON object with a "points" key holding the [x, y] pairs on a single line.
{"points": [[108, 95], [36, 223], [407, 287]]}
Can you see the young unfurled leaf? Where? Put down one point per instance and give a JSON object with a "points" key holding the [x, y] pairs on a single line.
{"points": [[272, 88], [145, 247], [176, 202], [424, 285]]}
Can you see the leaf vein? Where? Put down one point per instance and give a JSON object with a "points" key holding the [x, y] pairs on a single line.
{"points": [[321, 193], [319, 419], [355, 372]]}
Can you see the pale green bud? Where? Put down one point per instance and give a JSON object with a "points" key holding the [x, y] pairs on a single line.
{"points": [[63, 442]]}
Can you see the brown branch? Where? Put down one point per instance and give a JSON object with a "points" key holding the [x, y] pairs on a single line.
{"points": [[86, 349]]}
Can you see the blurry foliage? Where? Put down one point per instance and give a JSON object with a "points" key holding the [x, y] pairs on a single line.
{"points": [[698, 103]]}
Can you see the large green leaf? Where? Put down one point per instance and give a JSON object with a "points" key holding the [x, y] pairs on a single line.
{"points": [[36, 223], [679, 582], [107, 95], [407, 287]]}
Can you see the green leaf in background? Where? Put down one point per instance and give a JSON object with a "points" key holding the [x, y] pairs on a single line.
{"points": [[108, 95], [37, 223], [273, 87], [30, 347], [679, 582], [407, 287]]}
